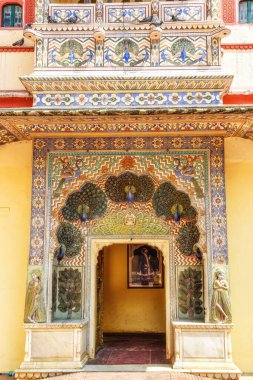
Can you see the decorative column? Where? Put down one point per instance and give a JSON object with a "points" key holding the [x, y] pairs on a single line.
{"points": [[99, 36], [99, 11], [155, 37], [155, 9], [216, 10], [41, 10]]}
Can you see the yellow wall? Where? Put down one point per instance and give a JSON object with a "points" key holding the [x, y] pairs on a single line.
{"points": [[129, 310], [15, 180], [239, 189]]}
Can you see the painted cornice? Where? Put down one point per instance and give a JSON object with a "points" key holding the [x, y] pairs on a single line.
{"points": [[29, 123]]}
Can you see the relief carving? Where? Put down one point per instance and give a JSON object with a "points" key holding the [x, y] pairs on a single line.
{"points": [[221, 308]]}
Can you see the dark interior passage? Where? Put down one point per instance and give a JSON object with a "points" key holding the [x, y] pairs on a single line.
{"points": [[132, 348]]}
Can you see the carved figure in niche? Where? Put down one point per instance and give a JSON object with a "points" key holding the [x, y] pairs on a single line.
{"points": [[221, 308], [34, 306]]}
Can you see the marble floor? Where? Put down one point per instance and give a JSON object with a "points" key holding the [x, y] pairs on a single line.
{"points": [[132, 349]]}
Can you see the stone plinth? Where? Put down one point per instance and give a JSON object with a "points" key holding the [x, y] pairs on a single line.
{"points": [[203, 347], [55, 346]]}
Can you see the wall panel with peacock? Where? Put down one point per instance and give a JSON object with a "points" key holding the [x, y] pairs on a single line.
{"points": [[175, 190]]}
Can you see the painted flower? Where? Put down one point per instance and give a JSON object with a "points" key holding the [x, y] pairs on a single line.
{"points": [[177, 142], [39, 163], [196, 142], [139, 143], [217, 142], [217, 161], [157, 143], [81, 99], [119, 143], [199, 98], [59, 144], [219, 241], [220, 220], [217, 181], [39, 144], [79, 143], [57, 100], [218, 201], [127, 162], [37, 222], [174, 98], [38, 202], [99, 143], [39, 182], [128, 99], [36, 242]]}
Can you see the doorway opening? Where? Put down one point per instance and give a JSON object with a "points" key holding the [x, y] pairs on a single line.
{"points": [[131, 305]]}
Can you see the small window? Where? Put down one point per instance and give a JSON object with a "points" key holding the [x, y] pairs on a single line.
{"points": [[246, 11], [12, 16]]}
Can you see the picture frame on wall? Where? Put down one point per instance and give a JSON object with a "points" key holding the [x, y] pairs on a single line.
{"points": [[145, 267]]}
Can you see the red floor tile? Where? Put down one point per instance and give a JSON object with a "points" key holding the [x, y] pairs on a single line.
{"points": [[127, 357], [132, 349]]}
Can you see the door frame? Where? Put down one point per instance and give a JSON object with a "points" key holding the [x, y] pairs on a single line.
{"points": [[95, 245]]}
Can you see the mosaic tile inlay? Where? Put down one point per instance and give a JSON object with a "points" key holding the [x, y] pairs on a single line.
{"points": [[186, 160]]}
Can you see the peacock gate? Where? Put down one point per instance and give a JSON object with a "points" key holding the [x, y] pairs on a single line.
{"points": [[128, 131], [166, 194]]}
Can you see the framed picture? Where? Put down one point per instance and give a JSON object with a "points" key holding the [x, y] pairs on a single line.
{"points": [[145, 267]]}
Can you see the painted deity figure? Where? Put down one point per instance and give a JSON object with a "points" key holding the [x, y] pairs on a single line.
{"points": [[221, 308], [34, 306]]}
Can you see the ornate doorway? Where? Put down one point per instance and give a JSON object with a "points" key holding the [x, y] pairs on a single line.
{"points": [[94, 272]]}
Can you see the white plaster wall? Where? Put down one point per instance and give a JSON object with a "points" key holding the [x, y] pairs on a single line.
{"points": [[8, 37], [239, 62], [13, 65]]}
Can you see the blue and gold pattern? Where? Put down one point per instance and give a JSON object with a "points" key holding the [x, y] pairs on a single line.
{"points": [[136, 99]]}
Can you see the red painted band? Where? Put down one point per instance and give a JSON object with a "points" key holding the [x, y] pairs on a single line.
{"points": [[16, 49], [238, 99], [237, 46], [16, 102]]}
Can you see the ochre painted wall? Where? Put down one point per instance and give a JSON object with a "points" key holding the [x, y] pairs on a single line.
{"points": [[129, 310], [239, 190], [15, 180]]}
